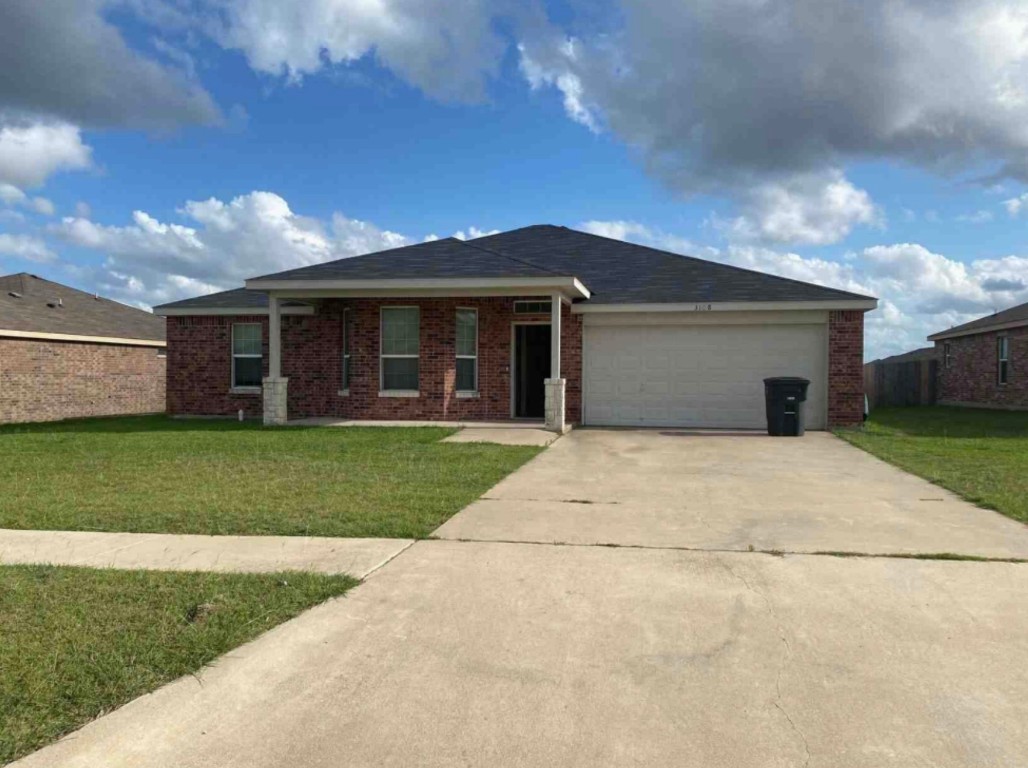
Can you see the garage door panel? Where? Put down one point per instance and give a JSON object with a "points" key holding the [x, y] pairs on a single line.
{"points": [[700, 376]]}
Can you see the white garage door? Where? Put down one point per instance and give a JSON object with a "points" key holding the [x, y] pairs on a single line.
{"points": [[697, 376]]}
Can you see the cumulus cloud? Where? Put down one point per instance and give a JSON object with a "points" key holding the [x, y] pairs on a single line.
{"points": [[812, 209], [26, 247], [447, 48], [64, 60], [30, 152], [920, 292], [220, 245], [1017, 204], [717, 99]]}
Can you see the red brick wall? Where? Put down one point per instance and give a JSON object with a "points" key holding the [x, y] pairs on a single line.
{"points": [[51, 380], [971, 378], [199, 363], [845, 368]]}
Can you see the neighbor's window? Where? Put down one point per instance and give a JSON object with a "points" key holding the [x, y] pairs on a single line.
{"points": [[347, 341], [947, 355], [1003, 356], [246, 355], [467, 350], [399, 356]]}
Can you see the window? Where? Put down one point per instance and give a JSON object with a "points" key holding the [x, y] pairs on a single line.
{"points": [[467, 350], [400, 334], [347, 333], [947, 355], [1003, 357], [541, 307], [246, 355]]}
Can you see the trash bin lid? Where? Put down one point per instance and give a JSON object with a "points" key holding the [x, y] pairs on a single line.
{"points": [[786, 380]]}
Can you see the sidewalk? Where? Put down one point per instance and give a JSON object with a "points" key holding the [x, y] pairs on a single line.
{"points": [[170, 552]]}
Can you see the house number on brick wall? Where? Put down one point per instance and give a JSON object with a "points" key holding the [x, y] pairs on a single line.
{"points": [[702, 307]]}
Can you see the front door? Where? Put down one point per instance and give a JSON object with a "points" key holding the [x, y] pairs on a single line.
{"points": [[531, 369]]}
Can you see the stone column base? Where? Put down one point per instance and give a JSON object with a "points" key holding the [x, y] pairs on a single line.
{"points": [[554, 389], [276, 411]]}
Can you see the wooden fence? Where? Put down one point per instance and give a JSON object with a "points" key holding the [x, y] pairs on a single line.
{"points": [[901, 383]]}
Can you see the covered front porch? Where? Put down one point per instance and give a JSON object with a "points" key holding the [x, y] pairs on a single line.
{"points": [[444, 351]]}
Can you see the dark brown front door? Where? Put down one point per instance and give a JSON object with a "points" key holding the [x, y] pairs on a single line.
{"points": [[531, 369]]}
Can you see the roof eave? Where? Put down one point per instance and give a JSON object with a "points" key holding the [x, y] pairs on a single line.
{"points": [[569, 286], [862, 304], [954, 333]]}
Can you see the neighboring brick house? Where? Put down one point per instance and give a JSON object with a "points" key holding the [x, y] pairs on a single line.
{"points": [[65, 353], [985, 362], [542, 322]]}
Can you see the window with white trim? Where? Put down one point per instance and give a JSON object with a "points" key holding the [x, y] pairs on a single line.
{"points": [[347, 341], [1002, 359], [247, 355], [401, 328], [467, 350], [947, 355], [533, 307]]}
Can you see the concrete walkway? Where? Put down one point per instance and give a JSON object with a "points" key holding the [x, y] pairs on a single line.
{"points": [[466, 654], [168, 552], [730, 491], [503, 433]]}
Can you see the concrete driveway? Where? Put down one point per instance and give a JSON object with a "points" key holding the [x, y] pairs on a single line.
{"points": [[469, 653], [730, 491]]}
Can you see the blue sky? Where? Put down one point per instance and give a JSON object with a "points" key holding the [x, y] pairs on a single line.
{"points": [[155, 149]]}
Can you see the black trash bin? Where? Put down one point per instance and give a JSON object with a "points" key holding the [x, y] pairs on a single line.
{"points": [[784, 397]]}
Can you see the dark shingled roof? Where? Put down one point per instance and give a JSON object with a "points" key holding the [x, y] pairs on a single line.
{"points": [[616, 272], [625, 273], [445, 258], [73, 312], [1016, 314]]}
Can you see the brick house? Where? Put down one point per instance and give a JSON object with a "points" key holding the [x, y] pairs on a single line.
{"points": [[984, 363], [540, 323], [65, 353]]}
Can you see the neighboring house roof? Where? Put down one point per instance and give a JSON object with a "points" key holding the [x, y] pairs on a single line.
{"points": [[924, 353], [32, 306], [613, 271], [1015, 317]]}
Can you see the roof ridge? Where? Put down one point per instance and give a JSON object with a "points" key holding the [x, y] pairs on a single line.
{"points": [[672, 255]]}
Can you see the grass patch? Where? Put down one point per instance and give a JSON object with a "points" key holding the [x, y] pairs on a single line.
{"points": [[76, 643], [981, 455], [159, 475]]}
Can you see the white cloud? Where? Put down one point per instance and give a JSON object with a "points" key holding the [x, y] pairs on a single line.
{"points": [[920, 292], [26, 247], [813, 209], [83, 210], [30, 152], [447, 48], [223, 243], [44, 206], [1015, 205], [976, 217], [474, 232]]}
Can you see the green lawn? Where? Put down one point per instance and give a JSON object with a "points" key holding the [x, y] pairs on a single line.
{"points": [[76, 643], [155, 474], [980, 454]]}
